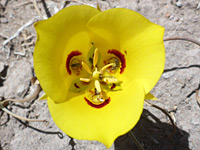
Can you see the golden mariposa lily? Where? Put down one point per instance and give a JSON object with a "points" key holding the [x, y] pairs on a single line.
{"points": [[96, 68]]}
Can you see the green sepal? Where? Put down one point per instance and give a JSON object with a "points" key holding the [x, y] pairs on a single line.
{"points": [[43, 97], [150, 96], [98, 7]]}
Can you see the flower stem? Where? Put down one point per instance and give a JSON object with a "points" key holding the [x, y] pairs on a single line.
{"points": [[182, 38], [33, 96], [166, 113], [21, 118], [135, 140]]}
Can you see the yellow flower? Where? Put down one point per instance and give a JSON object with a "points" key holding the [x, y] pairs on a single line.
{"points": [[96, 68]]}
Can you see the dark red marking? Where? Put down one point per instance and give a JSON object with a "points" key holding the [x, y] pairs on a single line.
{"points": [[113, 86], [70, 56], [76, 85], [125, 52], [107, 101], [121, 57]]}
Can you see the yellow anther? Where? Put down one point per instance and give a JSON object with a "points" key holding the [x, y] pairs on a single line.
{"points": [[106, 66], [110, 80], [97, 85], [95, 58], [86, 67], [85, 79]]}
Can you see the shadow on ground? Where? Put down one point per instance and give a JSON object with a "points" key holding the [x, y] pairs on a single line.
{"points": [[154, 135]]}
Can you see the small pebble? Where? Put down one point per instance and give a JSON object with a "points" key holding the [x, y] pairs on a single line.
{"points": [[4, 20], [179, 4], [167, 15], [167, 75], [176, 19], [171, 17]]}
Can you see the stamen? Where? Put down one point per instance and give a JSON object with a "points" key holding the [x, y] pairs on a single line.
{"points": [[110, 80], [95, 58], [97, 85], [106, 66], [85, 79], [85, 66]]}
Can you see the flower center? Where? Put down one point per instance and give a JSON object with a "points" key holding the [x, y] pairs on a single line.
{"points": [[96, 74], [99, 81], [97, 95]]}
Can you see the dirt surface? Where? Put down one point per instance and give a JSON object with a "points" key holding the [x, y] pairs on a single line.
{"points": [[175, 90]]}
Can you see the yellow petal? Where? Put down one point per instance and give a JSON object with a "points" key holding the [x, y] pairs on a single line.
{"points": [[150, 96], [56, 38], [81, 121], [139, 40]]}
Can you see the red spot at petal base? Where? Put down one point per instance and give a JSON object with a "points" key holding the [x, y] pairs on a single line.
{"points": [[70, 56], [121, 57], [107, 101], [113, 86], [76, 85]]}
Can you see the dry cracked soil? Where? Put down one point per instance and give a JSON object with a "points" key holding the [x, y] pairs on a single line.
{"points": [[176, 89]]}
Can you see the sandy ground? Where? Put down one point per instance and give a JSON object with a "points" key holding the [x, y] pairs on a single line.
{"points": [[175, 90]]}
